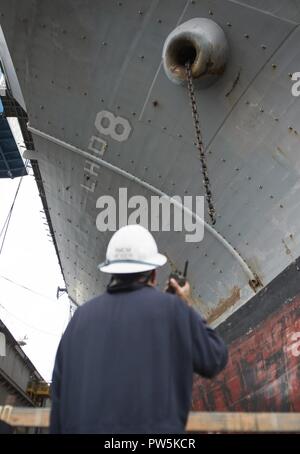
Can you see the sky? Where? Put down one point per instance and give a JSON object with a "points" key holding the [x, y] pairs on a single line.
{"points": [[30, 274]]}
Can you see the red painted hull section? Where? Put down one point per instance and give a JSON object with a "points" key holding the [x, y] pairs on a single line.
{"points": [[263, 370]]}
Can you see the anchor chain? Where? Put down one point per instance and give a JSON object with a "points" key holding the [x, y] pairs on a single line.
{"points": [[199, 144]]}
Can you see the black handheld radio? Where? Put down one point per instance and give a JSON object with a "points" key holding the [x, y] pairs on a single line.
{"points": [[179, 277]]}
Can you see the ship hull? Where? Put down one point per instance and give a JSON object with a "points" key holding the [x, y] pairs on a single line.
{"points": [[72, 64], [263, 371]]}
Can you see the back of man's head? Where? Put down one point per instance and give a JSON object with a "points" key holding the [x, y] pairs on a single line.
{"points": [[127, 281]]}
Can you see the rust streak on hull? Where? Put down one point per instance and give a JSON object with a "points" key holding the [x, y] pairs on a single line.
{"points": [[224, 304]]}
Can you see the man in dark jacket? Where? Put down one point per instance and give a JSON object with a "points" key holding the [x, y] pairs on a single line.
{"points": [[126, 360]]}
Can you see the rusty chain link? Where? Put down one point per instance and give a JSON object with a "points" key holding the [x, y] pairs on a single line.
{"points": [[199, 144]]}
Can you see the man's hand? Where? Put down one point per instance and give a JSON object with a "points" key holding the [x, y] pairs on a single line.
{"points": [[184, 292]]}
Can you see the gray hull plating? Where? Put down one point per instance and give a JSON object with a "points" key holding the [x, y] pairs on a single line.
{"points": [[76, 59]]}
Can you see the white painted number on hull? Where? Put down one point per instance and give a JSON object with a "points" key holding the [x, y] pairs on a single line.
{"points": [[118, 128], [107, 124]]}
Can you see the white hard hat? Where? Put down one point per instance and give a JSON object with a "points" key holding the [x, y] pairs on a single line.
{"points": [[132, 249]]}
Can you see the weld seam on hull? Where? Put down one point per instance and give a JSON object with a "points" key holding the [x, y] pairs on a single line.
{"points": [[159, 66], [267, 13], [236, 103], [151, 188]]}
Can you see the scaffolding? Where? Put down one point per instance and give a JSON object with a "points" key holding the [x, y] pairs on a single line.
{"points": [[38, 391]]}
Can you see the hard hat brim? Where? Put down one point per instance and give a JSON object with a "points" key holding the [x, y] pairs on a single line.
{"points": [[132, 266]]}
